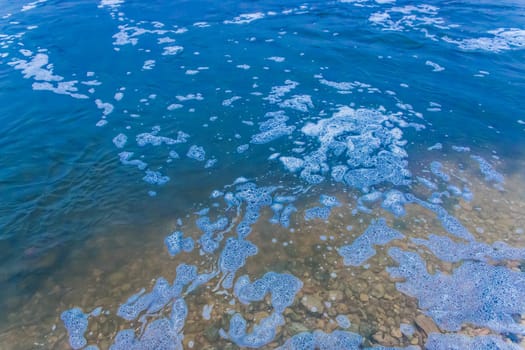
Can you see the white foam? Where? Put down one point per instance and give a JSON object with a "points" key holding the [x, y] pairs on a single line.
{"points": [[279, 91], [36, 68], [502, 39], [174, 106], [148, 64], [111, 3], [298, 102], [188, 97], [32, 5], [172, 50], [245, 18], [277, 59], [62, 88], [228, 102], [105, 106], [165, 40], [436, 67], [120, 140], [201, 24]]}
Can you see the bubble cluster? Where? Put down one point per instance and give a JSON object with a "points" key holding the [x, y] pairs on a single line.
{"points": [[438, 341], [76, 323], [161, 334], [488, 297], [176, 243], [448, 250], [233, 257], [449, 222], [343, 321], [337, 340], [282, 287], [162, 293], [323, 212], [263, 332], [358, 147], [155, 178], [197, 153], [272, 128], [209, 241], [491, 175], [362, 249], [437, 169]]}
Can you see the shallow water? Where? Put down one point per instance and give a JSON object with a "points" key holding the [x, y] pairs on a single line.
{"points": [[123, 120]]}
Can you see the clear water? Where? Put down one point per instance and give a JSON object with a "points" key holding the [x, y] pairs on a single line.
{"points": [[123, 121]]}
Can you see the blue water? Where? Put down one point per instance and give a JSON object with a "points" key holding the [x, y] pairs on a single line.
{"points": [[228, 126]]}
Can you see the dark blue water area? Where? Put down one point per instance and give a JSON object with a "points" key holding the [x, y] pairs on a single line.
{"points": [[117, 118]]}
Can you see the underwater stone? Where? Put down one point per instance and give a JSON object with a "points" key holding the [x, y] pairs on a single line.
{"points": [[76, 323], [378, 233], [489, 296], [206, 311], [343, 321], [407, 329], [176, 243]]}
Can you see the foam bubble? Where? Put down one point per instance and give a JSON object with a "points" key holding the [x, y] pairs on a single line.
{"points": [[489, 295], [362, 249], [197, 153], [176, 243], [76, 323]]}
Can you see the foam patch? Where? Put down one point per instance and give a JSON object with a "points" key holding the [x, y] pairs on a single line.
{"points": [[362, 249]]}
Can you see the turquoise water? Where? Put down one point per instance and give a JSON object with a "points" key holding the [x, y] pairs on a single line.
{"points": [[311, 146]]}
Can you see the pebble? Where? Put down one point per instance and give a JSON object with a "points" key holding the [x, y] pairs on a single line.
{"points": [[313, 304], [363, 297]]}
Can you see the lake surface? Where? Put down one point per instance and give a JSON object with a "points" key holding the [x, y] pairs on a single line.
{"points": [[245, 174]]}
